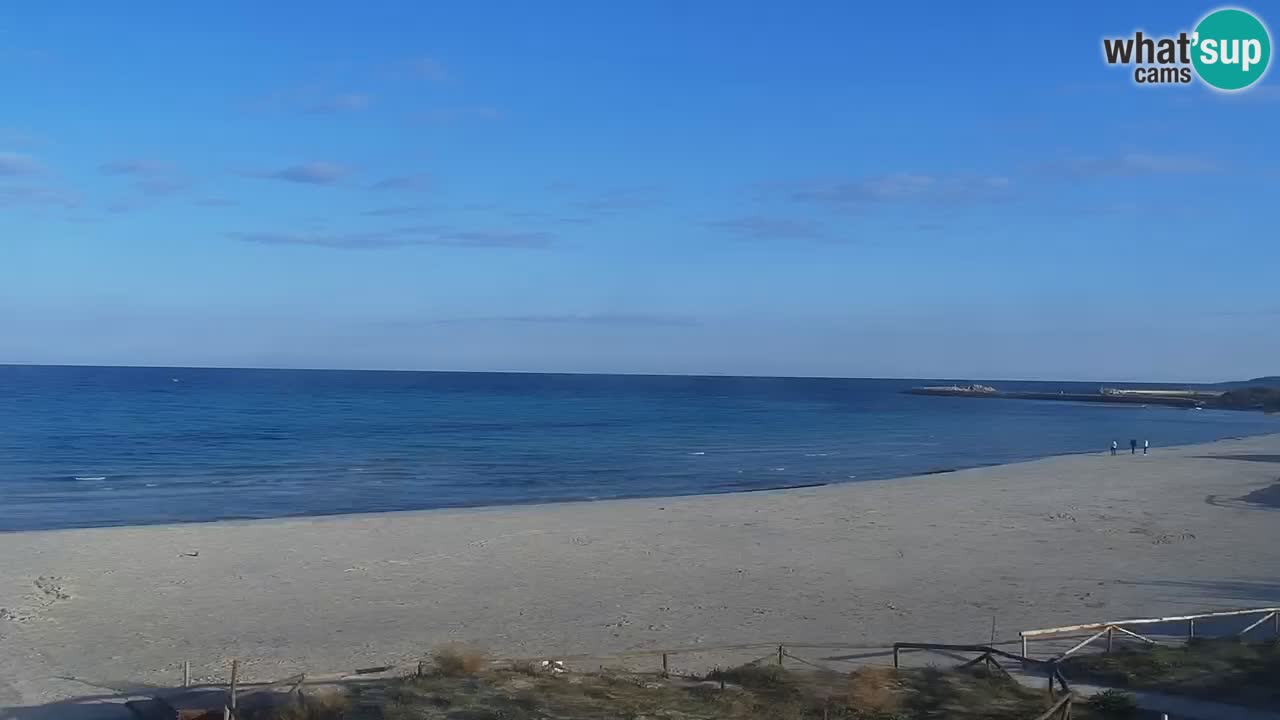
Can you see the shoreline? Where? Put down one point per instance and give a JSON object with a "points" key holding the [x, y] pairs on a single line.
{"points": [[621, 499], [1067, 538]]}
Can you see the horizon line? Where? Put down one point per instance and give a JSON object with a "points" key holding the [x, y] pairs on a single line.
{"points": [[608, 374]]}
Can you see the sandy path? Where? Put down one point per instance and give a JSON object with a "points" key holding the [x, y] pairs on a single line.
{"points": [[1077, 538]]}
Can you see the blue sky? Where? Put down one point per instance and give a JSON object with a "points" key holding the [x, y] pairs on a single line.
{"points": [[824, 188]]}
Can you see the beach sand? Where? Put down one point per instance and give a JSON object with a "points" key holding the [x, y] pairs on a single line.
{"points": [[933, 558]]}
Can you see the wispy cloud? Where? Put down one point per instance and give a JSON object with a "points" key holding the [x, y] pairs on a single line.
{"points": [[618, 199], [545, 217], [216, 202], [132, 167], [402, 237], [402, 182], [15, 164], [762, 227], [18, 138], [29, 185], [151, 178], [14, 196], [634, 320], [1133, 164], [427, 68], [395, 211], [313, 98], [341, 103], [120, 207], [899, 188], [313, 173], [458, 115]]}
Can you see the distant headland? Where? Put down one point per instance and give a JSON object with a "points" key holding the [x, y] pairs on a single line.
{"points": [[1257, 394]]}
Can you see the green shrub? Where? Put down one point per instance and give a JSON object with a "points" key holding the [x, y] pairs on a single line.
{"points": [[1114, 705]]}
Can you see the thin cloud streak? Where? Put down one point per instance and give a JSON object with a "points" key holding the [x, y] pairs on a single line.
{"points": [[458, 115], [142, 168], [151, 178], [313, 173], [16, 196], [1134, 164], [877, 190], [17, 164], [593, 319], [18, 138], [342, 103], [395, 211], [217, 202], [424, 235], [402, 182], [620, 199], [760, 227], [427, 68]]}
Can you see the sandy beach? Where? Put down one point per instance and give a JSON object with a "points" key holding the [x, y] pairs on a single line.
{"points": [[1053, 541]]}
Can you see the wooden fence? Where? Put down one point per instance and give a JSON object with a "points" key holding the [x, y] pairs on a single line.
{"points": [[779, 653], [1109, 629]]}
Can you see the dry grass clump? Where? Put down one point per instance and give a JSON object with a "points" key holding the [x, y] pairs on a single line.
{"points": [[875, 690], [458, 661], [755, 677]]}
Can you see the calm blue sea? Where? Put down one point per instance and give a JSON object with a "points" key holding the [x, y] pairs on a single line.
{"points": [[90, 446]]}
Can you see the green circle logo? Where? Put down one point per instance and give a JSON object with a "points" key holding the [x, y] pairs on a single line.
{"points": [[1232, 49]]}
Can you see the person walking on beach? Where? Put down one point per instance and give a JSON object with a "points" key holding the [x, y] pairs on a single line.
{"points": [[1133, 447], [1146, 445], [1114, 445]]}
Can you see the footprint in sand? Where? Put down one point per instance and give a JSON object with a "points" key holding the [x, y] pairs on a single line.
{"points": [[1162, 538], [13, 615], [51, 589]]}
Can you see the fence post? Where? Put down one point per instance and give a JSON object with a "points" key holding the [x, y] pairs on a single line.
{"points": [[895, 656], [1191, 628], [422, 668], [1110, 638], [779, 656], [1276, 616], [1024, 646], [666, 670], [235, 677], [186, 673]]}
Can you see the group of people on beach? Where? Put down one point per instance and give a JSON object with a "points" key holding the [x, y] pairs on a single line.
{"points": [[1133, 447]]}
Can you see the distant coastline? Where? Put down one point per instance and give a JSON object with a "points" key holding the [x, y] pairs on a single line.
{"points": [[1258, 394]]}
